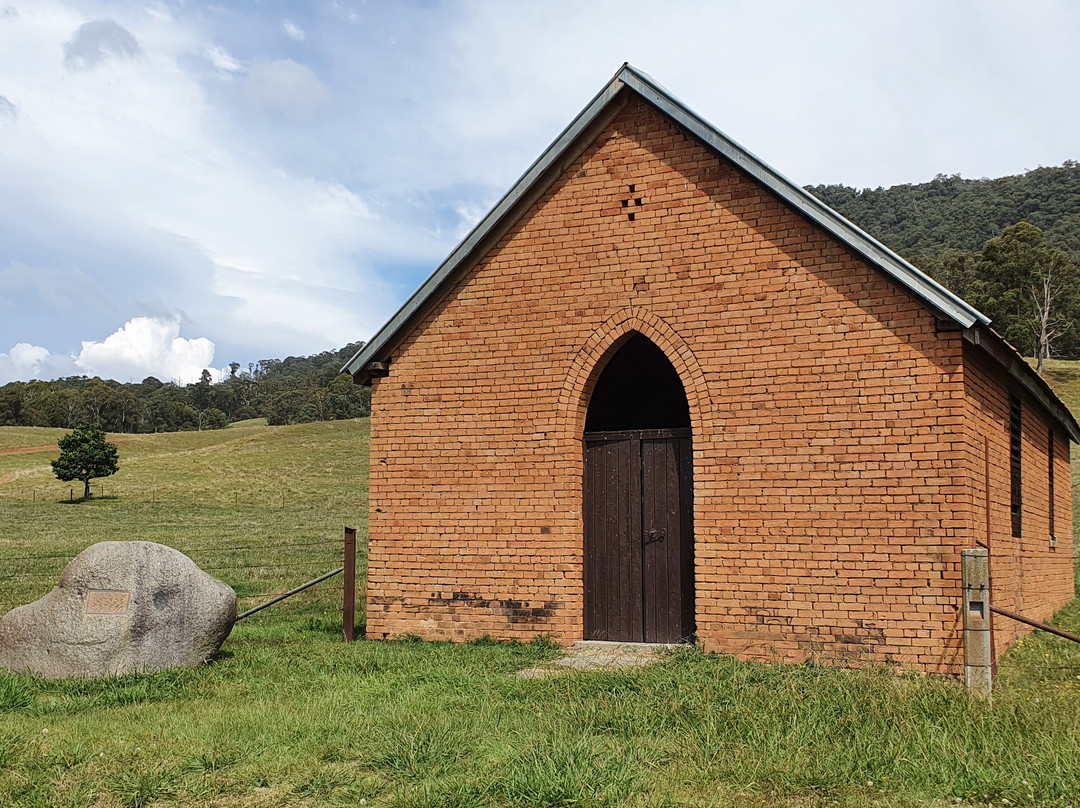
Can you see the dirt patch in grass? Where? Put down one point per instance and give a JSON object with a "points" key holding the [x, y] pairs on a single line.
{"points": [[598, 656], [29, 449]]}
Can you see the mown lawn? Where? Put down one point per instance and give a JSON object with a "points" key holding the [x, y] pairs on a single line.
{"points": [[290, 716]]}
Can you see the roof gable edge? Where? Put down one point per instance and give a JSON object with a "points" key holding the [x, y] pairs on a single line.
{"points": [[937, 296], [923, 286], [430, 286], [1009, 359], [810, 206]]}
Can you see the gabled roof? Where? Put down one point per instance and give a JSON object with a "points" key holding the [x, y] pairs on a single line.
{"points": [[576, 136]]}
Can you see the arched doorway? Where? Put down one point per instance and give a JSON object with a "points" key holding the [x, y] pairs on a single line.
{"points": [[638, 508]]}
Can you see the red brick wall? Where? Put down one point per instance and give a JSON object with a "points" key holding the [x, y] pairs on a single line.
{"points": [[1028, 574], [831, 460]]}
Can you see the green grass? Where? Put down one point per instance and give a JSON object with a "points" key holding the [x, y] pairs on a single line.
{"points": [[1064, 376], [205, 493], [288, 715]]}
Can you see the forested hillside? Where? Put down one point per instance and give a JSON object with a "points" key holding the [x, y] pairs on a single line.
{"points": [[298, 389], [1010, 246], [953, 213]]}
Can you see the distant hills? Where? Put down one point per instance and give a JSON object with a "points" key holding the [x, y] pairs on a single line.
{"points": [[958, 214], [297, 389], [1009, 246]]}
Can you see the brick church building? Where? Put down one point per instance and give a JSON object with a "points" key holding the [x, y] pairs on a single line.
{"points": [[662, 394]]}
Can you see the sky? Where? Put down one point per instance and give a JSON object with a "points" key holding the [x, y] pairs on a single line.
{"points": [[187, 184]]}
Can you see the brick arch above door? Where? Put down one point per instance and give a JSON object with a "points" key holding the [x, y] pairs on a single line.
{"points": [[603, 342]]}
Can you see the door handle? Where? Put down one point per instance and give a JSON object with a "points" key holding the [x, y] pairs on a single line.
{"points": [[653, 535]]}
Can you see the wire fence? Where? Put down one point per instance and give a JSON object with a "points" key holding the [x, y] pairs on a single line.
{"points": [[257, 496], [286, 564]]}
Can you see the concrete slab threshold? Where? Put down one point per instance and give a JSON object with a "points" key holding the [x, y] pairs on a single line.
{"points": [[591, 655], [626, 647]]}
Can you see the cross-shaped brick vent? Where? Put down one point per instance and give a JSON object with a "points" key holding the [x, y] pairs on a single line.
{"points": [[630, 201]]}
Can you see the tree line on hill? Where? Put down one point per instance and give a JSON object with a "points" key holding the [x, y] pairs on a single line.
{"points": [[1008, 246], [298, 389]]}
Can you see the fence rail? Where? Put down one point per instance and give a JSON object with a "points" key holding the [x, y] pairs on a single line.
{"points": [[268, 497], [209, 557], [1035, 624]]}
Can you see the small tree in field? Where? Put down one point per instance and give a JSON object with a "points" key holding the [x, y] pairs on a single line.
{"points": [[85, 455]]}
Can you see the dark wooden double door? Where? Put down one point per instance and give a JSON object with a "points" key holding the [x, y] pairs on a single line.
{"points": [[638, 520]]}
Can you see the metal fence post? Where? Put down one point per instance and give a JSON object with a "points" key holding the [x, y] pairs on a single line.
{"points": [[348, 605], [975, 578]]}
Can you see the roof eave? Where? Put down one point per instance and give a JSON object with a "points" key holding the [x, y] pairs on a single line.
{"points": [[998, 349], [937, 296], [461, 253]]}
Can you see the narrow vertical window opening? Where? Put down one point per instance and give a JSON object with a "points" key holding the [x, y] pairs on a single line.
{"points": [[1050, 487], [1015, 435]]}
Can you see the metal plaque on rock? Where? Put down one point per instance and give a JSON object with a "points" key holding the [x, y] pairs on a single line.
{"points": [[108, 601]]}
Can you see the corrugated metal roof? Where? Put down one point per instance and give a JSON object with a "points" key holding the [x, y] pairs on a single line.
{"points": [[936, 296]]}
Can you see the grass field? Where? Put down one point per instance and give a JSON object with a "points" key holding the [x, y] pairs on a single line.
{"points": [[288, 715], [205, 493], [1064, 377]]}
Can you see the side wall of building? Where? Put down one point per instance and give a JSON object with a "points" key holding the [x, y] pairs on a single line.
{"points": [[1030, 573], [830, 497]]}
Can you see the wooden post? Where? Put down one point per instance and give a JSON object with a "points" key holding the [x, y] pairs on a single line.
{"points": [[348, 604], [989, 573], [978, 667]]}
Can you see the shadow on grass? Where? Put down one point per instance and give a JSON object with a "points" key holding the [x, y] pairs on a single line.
{"points": [[27, 695], [82, 500]]}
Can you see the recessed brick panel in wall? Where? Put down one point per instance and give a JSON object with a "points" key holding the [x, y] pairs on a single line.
{"points": [[1028, 574]]}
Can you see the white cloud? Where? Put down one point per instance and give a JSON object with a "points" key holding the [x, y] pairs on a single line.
{"points": [[96, 41], [344, 12], [288, 208], [285, 88], [147, 346], [470, 212], [29, 356], [25, 361], [144, 346], [294, 31], [222, 59], [146, 177]]}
